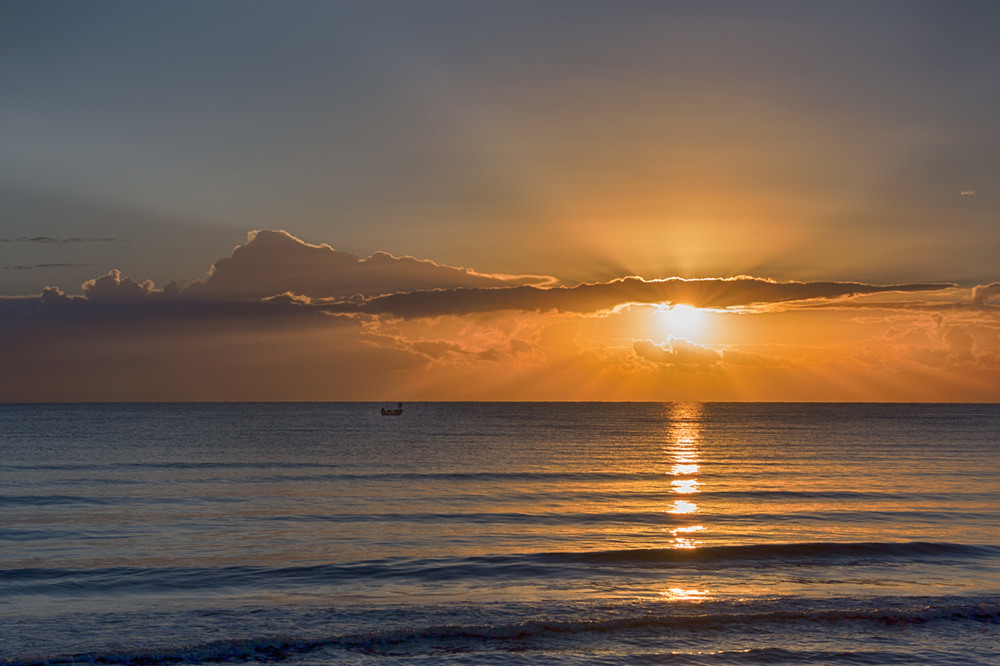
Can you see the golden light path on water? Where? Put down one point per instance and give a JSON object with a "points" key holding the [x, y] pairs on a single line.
{"points": [[683, 432], [682, 452]]}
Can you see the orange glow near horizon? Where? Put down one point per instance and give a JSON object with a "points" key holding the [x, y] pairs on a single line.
{"points": [[846, 352]]}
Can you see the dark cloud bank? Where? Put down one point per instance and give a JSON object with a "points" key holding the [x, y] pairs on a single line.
{"points": [[276, 273], [708, 293]]}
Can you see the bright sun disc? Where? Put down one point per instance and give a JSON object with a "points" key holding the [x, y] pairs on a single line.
{"points": [[683, 320]]}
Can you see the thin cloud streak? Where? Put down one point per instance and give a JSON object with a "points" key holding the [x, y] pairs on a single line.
{"points": [[59, 240], [29, 267], [704, 293]]}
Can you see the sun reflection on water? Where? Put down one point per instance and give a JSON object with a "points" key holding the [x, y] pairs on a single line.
{"points": [[682, 594], [682, 448], [683, 506], [681, 541], [685, 486]]}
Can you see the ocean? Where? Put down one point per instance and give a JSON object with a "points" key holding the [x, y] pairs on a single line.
{"points": [[500, 533]]}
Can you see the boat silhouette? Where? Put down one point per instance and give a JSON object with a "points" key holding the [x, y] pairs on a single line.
{"points": [[393, 411]]}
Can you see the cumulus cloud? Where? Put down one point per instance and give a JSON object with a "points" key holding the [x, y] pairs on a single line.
{"points": [[113, 288], [596, 297], [52, 295], [275, 262]]}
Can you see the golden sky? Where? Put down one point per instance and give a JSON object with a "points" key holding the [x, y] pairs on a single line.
{"points": [[494, 201]]}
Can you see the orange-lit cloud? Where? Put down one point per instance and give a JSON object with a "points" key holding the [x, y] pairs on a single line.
{"points": [[677, 351], [985, 292], [113, 288], [359, 329]]}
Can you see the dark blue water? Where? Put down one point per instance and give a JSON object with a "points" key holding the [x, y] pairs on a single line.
{"points": [[608, 533]]}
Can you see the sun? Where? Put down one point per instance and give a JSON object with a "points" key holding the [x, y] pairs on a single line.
{"points": [[682, 320]]}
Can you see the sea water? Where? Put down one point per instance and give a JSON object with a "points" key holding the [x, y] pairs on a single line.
{"points": [[500, 533]]}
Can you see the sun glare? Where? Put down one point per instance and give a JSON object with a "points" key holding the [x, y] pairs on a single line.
{"points": [[682, 320]]}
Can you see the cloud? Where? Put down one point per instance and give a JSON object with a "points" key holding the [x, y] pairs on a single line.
{"points": [[682, 352], [276, 269], [248, 282], [437, 348], [56, 239], [984, 292], [677, 351], [28, 267], [118, 352], [596, 297], [283, 319], [113, 288], [959, 342], [51, 295], [275, 262]]}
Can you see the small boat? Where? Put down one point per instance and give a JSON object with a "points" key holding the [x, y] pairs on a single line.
{"points": [[393, 412]]}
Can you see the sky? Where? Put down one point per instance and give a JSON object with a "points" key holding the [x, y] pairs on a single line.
{"points": [[550, 200]]}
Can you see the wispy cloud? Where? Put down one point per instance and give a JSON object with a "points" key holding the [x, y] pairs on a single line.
{"points": [[59, 239], [28, 267]]}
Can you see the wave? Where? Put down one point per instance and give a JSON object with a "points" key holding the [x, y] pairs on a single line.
{"points": [[624, 517], [820, 553], [107, 500], [576, 495], [709, 622], [486, 567]]}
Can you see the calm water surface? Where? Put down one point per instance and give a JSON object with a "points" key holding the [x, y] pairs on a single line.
{"points": [[500, 533]]}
